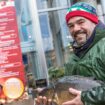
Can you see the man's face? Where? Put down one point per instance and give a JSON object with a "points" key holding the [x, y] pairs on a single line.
{"points": [[81, 29]]}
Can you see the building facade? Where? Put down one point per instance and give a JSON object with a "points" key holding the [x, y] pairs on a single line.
{"points": [[45, 39]]}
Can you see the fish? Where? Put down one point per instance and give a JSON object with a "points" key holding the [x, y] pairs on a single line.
{"points": [[59, 93]]}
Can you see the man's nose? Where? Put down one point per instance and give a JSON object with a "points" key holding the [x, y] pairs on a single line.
{"points": [[76, 28]]}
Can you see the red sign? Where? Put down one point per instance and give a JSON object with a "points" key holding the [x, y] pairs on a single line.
{"points": [[11, 66]]}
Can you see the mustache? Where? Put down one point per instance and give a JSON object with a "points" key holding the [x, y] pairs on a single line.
{"points": [[79, 32]]}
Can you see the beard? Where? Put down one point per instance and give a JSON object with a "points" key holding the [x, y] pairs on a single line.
{"points": [[80, 37]]}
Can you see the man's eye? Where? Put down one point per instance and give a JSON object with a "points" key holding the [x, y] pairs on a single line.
{"points": [[80, 22], [70, 26]]}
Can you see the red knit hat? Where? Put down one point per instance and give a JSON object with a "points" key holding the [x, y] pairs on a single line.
{"points": [[84, 10]]}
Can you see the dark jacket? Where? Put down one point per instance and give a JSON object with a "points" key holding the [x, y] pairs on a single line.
{"points": [[90, 62]]}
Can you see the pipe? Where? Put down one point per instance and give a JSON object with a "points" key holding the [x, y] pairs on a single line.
{"points": [[42, 66], [103, 8]]}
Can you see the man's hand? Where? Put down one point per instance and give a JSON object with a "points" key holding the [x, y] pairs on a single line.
{"points": [[75, 101], [42, 101]]}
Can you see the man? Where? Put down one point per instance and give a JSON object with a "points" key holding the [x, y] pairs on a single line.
{"points": [[89, 51]]}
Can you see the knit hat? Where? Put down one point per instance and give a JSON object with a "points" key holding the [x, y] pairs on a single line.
{"points": [[82, 9]]}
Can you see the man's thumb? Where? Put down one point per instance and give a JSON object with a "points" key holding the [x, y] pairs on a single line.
{"points": [[74, 91]]}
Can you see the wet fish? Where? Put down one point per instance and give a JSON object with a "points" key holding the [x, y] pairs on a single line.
{"points": [[59, 93]]}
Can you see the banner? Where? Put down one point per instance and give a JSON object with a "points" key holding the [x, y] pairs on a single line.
{"points": [[12, 78]]}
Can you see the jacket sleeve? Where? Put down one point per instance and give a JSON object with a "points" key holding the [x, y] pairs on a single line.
{"points": [[94, 96]]}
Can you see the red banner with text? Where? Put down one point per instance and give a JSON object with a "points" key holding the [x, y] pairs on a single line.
{"points": [[12, 78]]}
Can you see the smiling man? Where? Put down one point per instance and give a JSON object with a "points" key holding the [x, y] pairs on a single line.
{"points": [[81, 29], [88, 58]]}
